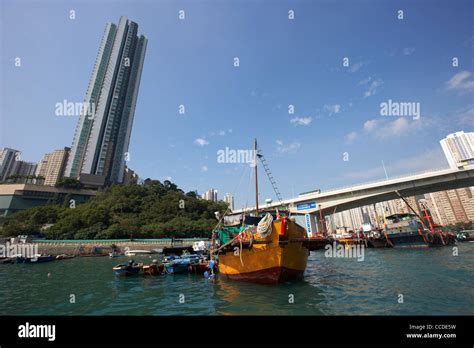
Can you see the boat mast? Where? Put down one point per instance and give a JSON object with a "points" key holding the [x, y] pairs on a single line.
{"points": [[256, 177], [413, 210]]}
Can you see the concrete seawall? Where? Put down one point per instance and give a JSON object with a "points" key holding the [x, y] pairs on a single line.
{"points": [[89, 248]]}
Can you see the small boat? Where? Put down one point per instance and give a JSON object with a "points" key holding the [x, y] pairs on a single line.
{"points": [[137, 252], [180, 264], [376, 239], [64, 257], [154, 268], [5, 260], [176, 250], [38, 258], [465, 236], [132, 268], [114, 254]]}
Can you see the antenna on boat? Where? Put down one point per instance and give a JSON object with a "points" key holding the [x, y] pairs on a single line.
{"points": [[256, 177], [270, 176]]}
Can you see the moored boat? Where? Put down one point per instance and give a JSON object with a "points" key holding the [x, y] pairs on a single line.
{"points": [[465, 236], [267, 249], [131, 268], [154, 268], [5, 260], [180, 264], [405, 231], [129, 252], [64, 257], [176, 250], [38, 258]]}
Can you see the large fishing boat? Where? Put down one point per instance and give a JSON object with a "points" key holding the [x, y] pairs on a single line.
{"points": [[267, 248], [405, 231], [414, 230]]}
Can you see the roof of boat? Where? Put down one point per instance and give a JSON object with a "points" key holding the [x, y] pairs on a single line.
{"points": [[400, 215]]}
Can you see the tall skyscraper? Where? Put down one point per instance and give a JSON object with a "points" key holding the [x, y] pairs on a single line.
{"points": [[8, 157], [210, 195], [459, 149], [52, 166], [101, 139], [229, 199]]}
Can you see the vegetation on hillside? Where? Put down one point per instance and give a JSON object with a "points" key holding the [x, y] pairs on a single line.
{"points": [[151, 210]]}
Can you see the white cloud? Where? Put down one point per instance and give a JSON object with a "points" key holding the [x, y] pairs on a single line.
{"points": [[372, 90], [460, 82], [204, 169], [301, 121], [351, 137], [355, 67], [333, 109], [370, 125], [289, 148], [398, 127], [201, 142], [365, 81], [408, 51], [222, 132]]}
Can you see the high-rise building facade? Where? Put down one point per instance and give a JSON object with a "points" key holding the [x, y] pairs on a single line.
{"points": [[229, 199], [459, 149], [102, 136], [13, 169], [52, 166], [210, 195], [8, 157], [451, 206]]}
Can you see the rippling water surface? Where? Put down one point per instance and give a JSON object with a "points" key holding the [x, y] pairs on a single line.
{"points": [[432, 282]]}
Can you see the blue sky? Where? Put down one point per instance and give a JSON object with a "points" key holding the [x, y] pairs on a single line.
{"points": [[282, 62]]}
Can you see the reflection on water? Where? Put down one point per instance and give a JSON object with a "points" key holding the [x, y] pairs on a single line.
{"points": [[432, 281]]}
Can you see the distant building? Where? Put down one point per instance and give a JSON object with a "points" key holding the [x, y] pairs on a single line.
{"points": [[24, 169], [130, 177], [8, 157], [100, 145], [210, 195], [459, 149], [52, 166], [229, 199], [451, 206]]}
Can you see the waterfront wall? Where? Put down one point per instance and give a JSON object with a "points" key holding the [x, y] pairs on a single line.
{"points": [[93, 248]]}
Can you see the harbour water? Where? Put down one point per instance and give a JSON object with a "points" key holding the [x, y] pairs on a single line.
{"points": [[431, 282]]}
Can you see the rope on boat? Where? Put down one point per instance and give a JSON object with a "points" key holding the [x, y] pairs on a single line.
{"points": [[264, 227], [240, 252]]}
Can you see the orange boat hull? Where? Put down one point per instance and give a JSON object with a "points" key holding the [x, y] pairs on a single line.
{"points": [[269, 263]]}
